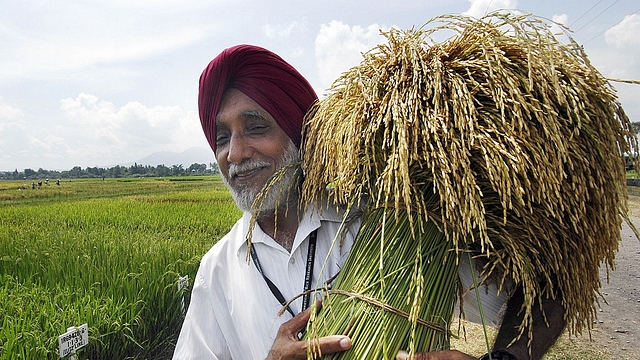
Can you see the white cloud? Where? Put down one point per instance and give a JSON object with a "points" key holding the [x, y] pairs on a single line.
{"points": [[282, 31], [629, 96], [297, 52], [93, 132], [340, 46], [560, 19], [72, 52], [12, 135], [167, 6], [139, 129], [625, 34], [621, 57], [50, 144], [11, 126], [85, 34], [480, 8], [9, 113], [188, 132]]}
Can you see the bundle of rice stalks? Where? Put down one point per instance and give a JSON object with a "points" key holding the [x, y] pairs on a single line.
{"points": [[500, 141]]}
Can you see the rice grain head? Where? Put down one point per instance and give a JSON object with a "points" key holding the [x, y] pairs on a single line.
{"points": [[517, 134]]}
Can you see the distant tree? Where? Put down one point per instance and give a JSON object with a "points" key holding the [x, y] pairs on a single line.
{"points": [[137, 169], [215, 169], [93, 171], [29, 173], [177, 170], [162, 170], [118, 171], [636, 126], [196, 168], [114, 172], [75, 172], [43, 173]]}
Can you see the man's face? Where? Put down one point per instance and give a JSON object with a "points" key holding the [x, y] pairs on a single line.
{"points": [[250, 147]]}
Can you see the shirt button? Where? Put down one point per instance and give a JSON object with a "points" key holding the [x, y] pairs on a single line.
{"points": [[292, 261]]}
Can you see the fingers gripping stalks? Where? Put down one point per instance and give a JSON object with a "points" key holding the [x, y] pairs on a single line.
{"points": [[288, 346]]}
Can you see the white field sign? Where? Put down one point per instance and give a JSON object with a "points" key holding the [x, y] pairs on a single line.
{"points": [[73, 339]]}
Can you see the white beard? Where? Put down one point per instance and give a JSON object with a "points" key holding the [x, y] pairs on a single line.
{"points": [[245, 196]]}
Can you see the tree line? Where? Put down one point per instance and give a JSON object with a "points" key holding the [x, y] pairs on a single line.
{"points": [[118, 171], [137, 170]]}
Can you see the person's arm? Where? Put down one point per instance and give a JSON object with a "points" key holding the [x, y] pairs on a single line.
{"points": [[545, 332], [543, 336], [287, 346]]}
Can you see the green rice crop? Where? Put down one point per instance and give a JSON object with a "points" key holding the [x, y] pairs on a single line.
{"points": [[107, 253]]}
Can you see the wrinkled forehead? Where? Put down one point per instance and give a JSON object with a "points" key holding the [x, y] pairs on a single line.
{"points": [[236, 104]]}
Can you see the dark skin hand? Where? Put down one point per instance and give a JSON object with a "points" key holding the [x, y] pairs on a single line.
{"points": [[287, 346]]}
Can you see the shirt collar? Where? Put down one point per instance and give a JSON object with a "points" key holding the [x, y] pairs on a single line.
{"points": [[311, 220]]}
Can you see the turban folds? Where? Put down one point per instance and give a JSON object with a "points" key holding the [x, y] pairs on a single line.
{"points": [[264, 77]]}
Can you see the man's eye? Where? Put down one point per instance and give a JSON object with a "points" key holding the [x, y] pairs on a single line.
{"points": [[222, 140], [258, 129]]}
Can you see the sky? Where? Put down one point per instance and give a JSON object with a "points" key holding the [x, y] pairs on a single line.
{"points": [[100, 83]]}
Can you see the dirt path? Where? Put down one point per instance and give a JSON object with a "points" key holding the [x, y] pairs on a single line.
{"points": [[617, 329]]}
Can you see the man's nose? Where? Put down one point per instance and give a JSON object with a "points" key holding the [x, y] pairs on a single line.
{"points": [[239, 149]]}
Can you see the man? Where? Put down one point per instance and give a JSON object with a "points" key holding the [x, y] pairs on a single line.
{"points": [[251, 105]]}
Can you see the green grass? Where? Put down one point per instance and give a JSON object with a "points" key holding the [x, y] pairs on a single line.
{"points": [[107, 253]]}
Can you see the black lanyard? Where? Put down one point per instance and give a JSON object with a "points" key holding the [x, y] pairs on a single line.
{"points": [[311, 254]]}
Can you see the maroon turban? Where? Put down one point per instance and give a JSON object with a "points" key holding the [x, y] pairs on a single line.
{"points": [[264, 77]]}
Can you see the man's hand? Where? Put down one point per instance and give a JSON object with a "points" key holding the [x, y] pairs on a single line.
{"points": [[287, 346], [436, 355]]}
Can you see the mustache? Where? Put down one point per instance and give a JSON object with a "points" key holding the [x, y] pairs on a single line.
{"points": [[235, 169]]}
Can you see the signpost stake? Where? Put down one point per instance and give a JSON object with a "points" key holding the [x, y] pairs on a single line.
{"points": [[183, 283]]}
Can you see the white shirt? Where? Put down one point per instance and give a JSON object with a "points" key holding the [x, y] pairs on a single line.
{"points": [[234, 315]]}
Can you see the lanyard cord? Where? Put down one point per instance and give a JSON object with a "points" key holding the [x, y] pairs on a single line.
{"points": [[311, 254]]}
